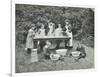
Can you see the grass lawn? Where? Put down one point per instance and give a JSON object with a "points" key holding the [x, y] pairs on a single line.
{"points": [[48, 65]]}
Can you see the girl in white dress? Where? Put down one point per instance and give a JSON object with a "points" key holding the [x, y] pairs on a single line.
{"points": [[29, 40], [70, 42], [69, 34], [51, 29], [58, 31], [42, 30], [50, 34]]}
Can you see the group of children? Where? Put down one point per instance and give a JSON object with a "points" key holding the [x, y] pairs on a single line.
{"points": [[52, 31]]}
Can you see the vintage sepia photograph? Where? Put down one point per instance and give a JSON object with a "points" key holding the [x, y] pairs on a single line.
{"points": [[53, 38]]}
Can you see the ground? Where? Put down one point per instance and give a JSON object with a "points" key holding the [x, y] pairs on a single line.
{"points": [[48, 65]]}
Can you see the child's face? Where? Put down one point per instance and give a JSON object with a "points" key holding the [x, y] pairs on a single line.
{"points": [[67, 23], [42, 26], [50, 26], [59, 25], [33, 27]]}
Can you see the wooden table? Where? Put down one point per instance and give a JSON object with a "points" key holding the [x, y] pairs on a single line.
{"points": [[51, 38]]}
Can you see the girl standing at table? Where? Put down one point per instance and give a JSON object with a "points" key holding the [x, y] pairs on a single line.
{"points": [[29, 40], [49, 43], [41, 33], [42, 30], [69, 34], [51, 32], [70, 42], [51, 27], [58, 32]]}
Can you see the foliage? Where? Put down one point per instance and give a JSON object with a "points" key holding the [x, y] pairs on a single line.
{"points": [[81, 19]]}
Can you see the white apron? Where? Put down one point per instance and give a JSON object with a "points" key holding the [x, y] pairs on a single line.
{"points": [[29, 40], [70, 42]]}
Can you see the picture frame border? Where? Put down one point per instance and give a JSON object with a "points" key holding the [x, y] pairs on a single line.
{"points": [[13, 3]]}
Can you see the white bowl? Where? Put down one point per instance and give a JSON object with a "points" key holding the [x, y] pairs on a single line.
{"points": [[61, 52], [75, 54], [54, 56]]}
